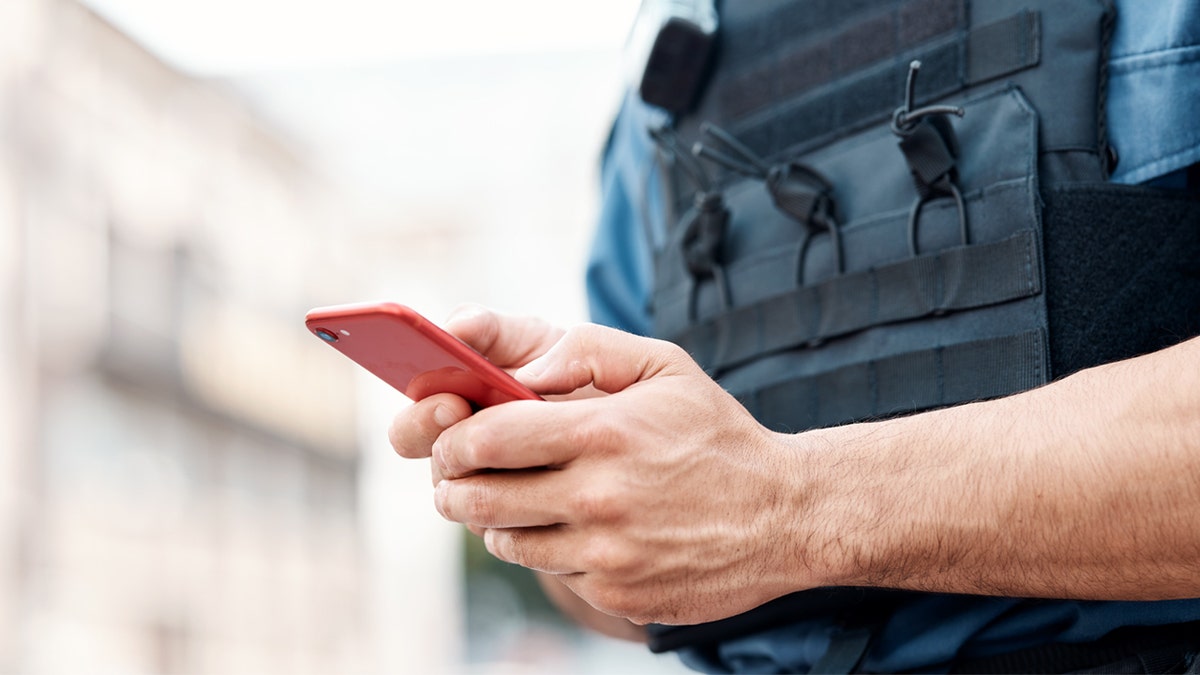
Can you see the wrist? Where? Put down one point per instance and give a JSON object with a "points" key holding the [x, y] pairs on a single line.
{"points": [[908, 502], [851, 506], [826, 510]]}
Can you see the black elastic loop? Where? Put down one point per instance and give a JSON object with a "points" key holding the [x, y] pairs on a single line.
{"points": [[905, 119], [914, 216], [930, 148]]}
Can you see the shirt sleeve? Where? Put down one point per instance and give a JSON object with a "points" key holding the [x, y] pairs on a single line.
{"points": [[619, 271], [1154, 88]]}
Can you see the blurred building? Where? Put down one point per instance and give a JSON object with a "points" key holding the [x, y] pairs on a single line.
{"points": [[178, 462], [189, 482]]}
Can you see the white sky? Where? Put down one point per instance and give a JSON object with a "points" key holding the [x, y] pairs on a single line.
{"points": [[229, 37], [483, 115], [365, 82]]}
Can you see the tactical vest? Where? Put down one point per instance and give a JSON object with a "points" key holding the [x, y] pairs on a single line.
{"points": [[855, 236]]}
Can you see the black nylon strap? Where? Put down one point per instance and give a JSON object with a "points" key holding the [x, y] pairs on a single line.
{"points": [[931, 156], [949, 280], [870, 95], [903, 383]]}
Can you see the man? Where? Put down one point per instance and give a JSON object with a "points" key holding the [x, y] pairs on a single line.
{"points": [[920, 452]]}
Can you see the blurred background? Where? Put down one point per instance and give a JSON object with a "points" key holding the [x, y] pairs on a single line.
{"points": [[189, 481]]}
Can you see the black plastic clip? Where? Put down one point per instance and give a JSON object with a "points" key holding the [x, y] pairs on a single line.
{"points": [[796, 189], [931, 149], [703, 233], [701, 236]]}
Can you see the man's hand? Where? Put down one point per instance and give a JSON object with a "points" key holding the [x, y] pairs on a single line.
{"points": [[662, 502], [509, 342]]}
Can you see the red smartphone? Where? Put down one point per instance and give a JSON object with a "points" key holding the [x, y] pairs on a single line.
{"points": [[412, 354]]}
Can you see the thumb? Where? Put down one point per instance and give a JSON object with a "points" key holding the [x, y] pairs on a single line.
{"points": [[609, 359]]}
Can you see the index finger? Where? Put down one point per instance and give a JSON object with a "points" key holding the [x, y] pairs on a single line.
{"points": [[516, 435]]}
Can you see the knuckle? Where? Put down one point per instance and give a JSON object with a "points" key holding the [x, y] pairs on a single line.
{"points": [[478, 448], [598, 432], [585, 335], [596, 505], [515, 547], [478, 507], [623, 561], [476, 325], [674, 354], [592, 557], [580, 331], [607, 557]]}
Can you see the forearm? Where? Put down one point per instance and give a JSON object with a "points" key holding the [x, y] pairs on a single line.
{"points": [[1085, 488]]}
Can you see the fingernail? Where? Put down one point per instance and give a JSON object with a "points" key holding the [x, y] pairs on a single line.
{"points": [[439, 496], [444, 416], [439, 457], [489, 542]]}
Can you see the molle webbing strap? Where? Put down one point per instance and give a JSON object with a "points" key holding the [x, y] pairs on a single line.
{"points": [[870, 95], [918, 380], [952, 279], [843, 33]]}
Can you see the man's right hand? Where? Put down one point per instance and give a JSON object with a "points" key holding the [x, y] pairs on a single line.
{"points": [[509, 342]]}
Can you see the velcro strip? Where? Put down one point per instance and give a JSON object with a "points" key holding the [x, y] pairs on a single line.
{"points": [[949, 280], [904, 383]]}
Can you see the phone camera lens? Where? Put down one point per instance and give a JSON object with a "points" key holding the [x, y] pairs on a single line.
{"points": [[326, 335]]}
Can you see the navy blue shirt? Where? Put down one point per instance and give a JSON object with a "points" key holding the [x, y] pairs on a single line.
{"points": [[1154, 96]]}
